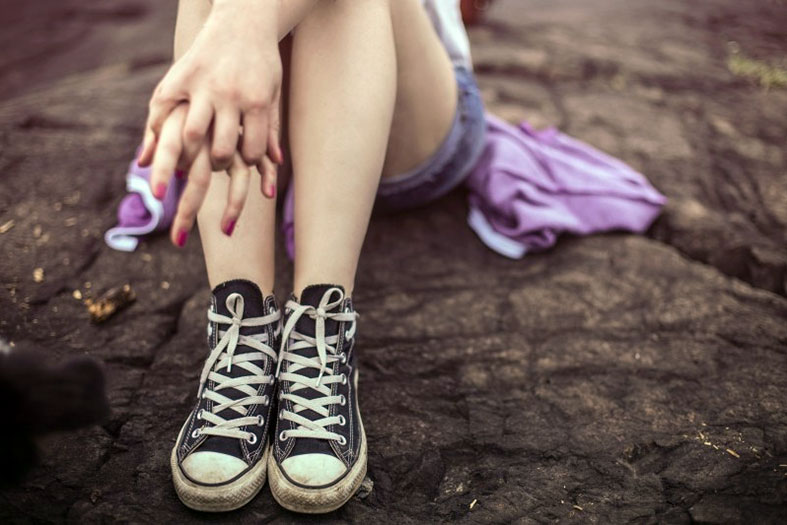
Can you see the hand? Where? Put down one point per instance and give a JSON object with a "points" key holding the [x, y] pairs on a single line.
{"points": [[165, 161], [230, 77]]}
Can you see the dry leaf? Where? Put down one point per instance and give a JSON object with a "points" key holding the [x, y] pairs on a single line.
{"points": [[38, 275], [6, 226], [110, 303]]}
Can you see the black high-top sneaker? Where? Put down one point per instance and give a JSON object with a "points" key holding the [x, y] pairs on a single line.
{"points": [[220, 458], [319, 448]]}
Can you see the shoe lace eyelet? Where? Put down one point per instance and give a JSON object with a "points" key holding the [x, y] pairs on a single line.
{"points": [[199, 414], [252, 439], [342, 400], [342, 421], [342, 440], [347, 335], [260, 421], [343, 358], [196, 433], [344, 379], [283, 435]]}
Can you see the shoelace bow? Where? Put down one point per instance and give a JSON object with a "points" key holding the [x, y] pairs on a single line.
{"points": [[326, 355], [223, 357]]}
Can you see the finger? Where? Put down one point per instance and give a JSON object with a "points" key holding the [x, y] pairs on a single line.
{"points": [[145, 156], [164, 99], [255, 130], [192, 198], [226, 127], [268, 178], [274, 132], [195, 129], [168, 151], [236, 195]]}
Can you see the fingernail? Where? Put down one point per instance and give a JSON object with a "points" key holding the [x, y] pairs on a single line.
{"points": [[273, 190], [160, 191], [181, 238], [281, 156], [179, 174], [230, 227]]}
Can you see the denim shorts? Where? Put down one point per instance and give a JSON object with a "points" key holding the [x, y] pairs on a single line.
{"points": [[450, 164]]}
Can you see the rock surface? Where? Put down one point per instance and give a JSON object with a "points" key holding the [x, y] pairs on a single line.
{"points": [[613, 379]]}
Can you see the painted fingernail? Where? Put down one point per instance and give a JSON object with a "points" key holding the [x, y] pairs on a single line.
{"points": [[180, 240], [230, 227], [160, 191], [180, 174], [272, 190]]}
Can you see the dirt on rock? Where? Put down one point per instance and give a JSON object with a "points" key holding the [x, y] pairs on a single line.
{"points": [[612, 379]]}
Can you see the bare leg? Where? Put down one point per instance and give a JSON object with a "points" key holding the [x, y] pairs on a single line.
{"points": [[249, 252], [343, 96], [342, 100], [426, 91]]}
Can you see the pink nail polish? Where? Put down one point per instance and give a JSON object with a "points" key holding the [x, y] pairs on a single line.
{"points": [[160, 191], [273, 190], [230, 227], [181, 238]]}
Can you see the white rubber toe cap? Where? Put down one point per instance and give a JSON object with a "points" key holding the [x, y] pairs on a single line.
{"points": [[313, 470], [212, 467]]}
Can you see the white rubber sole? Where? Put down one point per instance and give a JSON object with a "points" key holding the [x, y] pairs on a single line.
{"points": [[219, 499], [317, 501]]}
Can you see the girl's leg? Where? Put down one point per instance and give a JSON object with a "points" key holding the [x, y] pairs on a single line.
{"points": [[248, 253], [343, 95], [346, 98], [343, 90], [426, 90]]}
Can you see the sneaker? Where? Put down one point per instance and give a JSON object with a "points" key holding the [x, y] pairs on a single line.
{"points": [[319, 448], [220, 458]]}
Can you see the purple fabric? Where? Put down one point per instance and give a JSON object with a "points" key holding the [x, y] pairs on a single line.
{"points": [[140, 213], [531, 186]]}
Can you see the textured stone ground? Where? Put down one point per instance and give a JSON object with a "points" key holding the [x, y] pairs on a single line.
{"points": [[613, 379]]}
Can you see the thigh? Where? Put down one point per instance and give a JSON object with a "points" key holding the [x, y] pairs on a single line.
{"points": [[426, 98]]}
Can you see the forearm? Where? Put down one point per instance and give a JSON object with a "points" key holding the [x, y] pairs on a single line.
{"points": [[193, 14]]}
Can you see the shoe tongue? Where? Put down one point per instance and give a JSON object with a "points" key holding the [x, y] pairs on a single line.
{"points": [[254, 304], [253, 301], [312, 295]]}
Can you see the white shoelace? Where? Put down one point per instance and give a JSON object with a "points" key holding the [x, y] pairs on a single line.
{"points": [[223, 357], [326, 355]]}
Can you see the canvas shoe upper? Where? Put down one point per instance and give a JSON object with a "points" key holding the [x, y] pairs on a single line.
{"points": [[226, 435]]}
